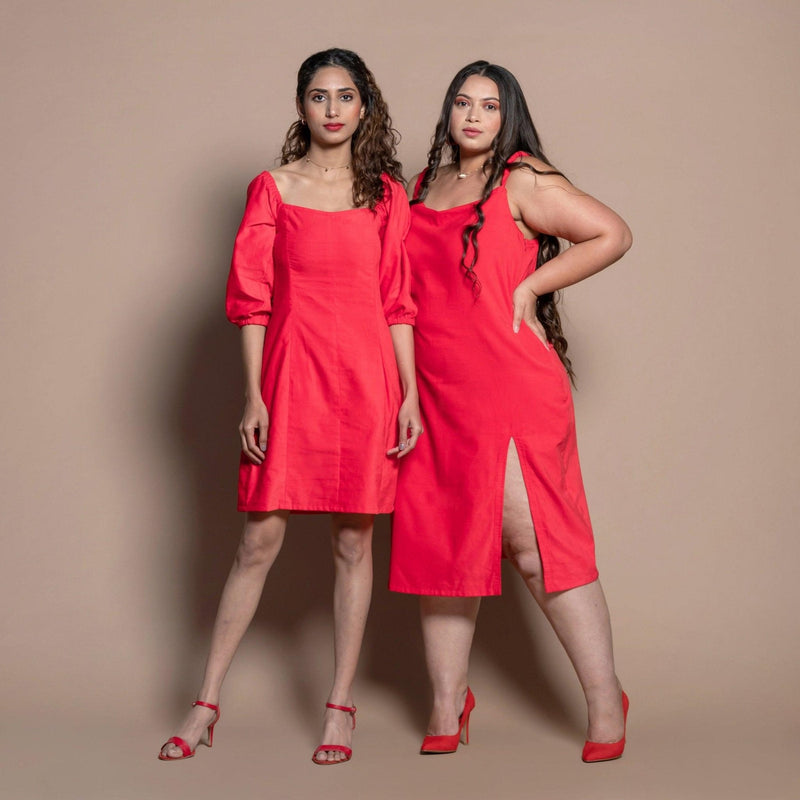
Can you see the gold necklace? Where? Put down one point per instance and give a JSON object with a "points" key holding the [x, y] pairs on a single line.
{"points": [[460, 174], [322, 166]]}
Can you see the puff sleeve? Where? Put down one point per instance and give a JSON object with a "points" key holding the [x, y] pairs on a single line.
{"points": [[248, 298], [395, 273]]}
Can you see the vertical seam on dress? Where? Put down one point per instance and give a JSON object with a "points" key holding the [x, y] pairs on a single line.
{"points": [[290, 339], [338, 405]]}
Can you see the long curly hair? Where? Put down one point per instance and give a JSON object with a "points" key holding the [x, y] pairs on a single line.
{"points": [[517, 132], [374, 144]]}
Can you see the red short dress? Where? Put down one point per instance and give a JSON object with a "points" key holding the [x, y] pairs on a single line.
{"points": [[327, 285], [481, 385]]}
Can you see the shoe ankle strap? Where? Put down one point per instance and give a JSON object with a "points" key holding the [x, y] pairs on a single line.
{"points": [[205, 705], [348, 709]]}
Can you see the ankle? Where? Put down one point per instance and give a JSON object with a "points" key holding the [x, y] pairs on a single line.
{"points": [[610, 690], [206, 696], [341, 699], [450, 697]]}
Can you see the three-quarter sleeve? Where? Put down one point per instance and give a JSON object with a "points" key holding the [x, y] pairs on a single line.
{"points": [[248, 299], [395, 273]]}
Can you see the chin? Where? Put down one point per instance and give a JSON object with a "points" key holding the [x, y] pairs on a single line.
{"points": [[471, 147]]}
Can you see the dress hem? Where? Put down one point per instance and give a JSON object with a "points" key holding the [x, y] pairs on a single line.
{"points": [[444, 592], [314, 509], [554, 586]]}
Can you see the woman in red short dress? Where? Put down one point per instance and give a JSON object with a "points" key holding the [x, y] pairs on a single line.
{"points": [[319, 286], [497, 473]]}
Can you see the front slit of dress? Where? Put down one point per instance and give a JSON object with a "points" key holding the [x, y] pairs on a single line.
{"points": [[533, 502]]}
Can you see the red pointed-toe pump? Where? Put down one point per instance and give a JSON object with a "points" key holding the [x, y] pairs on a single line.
{"points": [[607, 751], [436, 745]]}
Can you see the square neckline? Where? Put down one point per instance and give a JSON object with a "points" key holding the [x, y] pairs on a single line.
{"points": [[309, 208], [460, 205], [525, 240], [502, 185]]}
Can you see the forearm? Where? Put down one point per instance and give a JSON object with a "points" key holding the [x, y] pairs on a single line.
{"points": [[252, 356], [403, 342], [579, 261], [551, 205]]}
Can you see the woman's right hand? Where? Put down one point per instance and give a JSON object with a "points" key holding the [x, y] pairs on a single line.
{"points": [[253, 430], [524, 301]]}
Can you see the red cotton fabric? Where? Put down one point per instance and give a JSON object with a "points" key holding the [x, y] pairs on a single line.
{"points": [[327, 285], [481, 385]]}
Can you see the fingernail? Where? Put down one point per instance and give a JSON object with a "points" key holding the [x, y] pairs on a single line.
{"points": [[263, 447]]}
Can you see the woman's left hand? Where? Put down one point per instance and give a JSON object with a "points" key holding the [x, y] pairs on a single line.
{"points": [[524, 300], [409, 423]]}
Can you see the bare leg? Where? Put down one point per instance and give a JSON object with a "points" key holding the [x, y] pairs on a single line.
{"points": [[448, 625], [259, 546], [579, 616], [352, 558]]}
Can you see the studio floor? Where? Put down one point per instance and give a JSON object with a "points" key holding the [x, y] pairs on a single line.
{"points": [[512, 754]]}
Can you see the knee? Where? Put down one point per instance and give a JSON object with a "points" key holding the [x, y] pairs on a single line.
{"points": [[351, 545], [260, 543], [527, 563]]}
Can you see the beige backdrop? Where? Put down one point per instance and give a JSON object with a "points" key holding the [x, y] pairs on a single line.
{"points": [[130, 131]]}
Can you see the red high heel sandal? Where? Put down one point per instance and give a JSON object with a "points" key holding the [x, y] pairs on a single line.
{"points": [[607, 751], [186, 751], [339, 748], [437, 745]]}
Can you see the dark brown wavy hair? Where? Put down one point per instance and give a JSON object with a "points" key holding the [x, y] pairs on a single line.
{"points": [[374, 144], [517, 132]]}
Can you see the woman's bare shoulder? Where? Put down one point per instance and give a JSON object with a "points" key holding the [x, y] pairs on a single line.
{"points": [[286, 176], [411, 186], [535, 175]]}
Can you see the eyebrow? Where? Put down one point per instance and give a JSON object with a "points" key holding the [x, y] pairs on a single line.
{"points": [[462, 94], [325, 91]]}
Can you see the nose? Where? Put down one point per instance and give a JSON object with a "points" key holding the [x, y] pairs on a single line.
{"points": [[332, 109], [472, 114]]}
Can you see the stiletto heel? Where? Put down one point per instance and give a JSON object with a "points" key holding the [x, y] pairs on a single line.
{"points": [[436, 745], [607, 751], [186, 751], [340, 748]]}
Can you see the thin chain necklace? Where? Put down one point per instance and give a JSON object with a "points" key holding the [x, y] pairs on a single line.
{"points": [[322, 166], [461, 174]]}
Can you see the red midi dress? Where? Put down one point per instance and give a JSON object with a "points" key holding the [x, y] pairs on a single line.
{"points": [[327, 285], [480, 386]]}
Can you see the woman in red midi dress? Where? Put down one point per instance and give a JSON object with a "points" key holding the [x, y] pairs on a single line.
{"points": [[319, 286], [497, 473]]}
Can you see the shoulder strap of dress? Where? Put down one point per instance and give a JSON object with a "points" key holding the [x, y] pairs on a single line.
{"points": [[518, 155], [420, 178]]}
